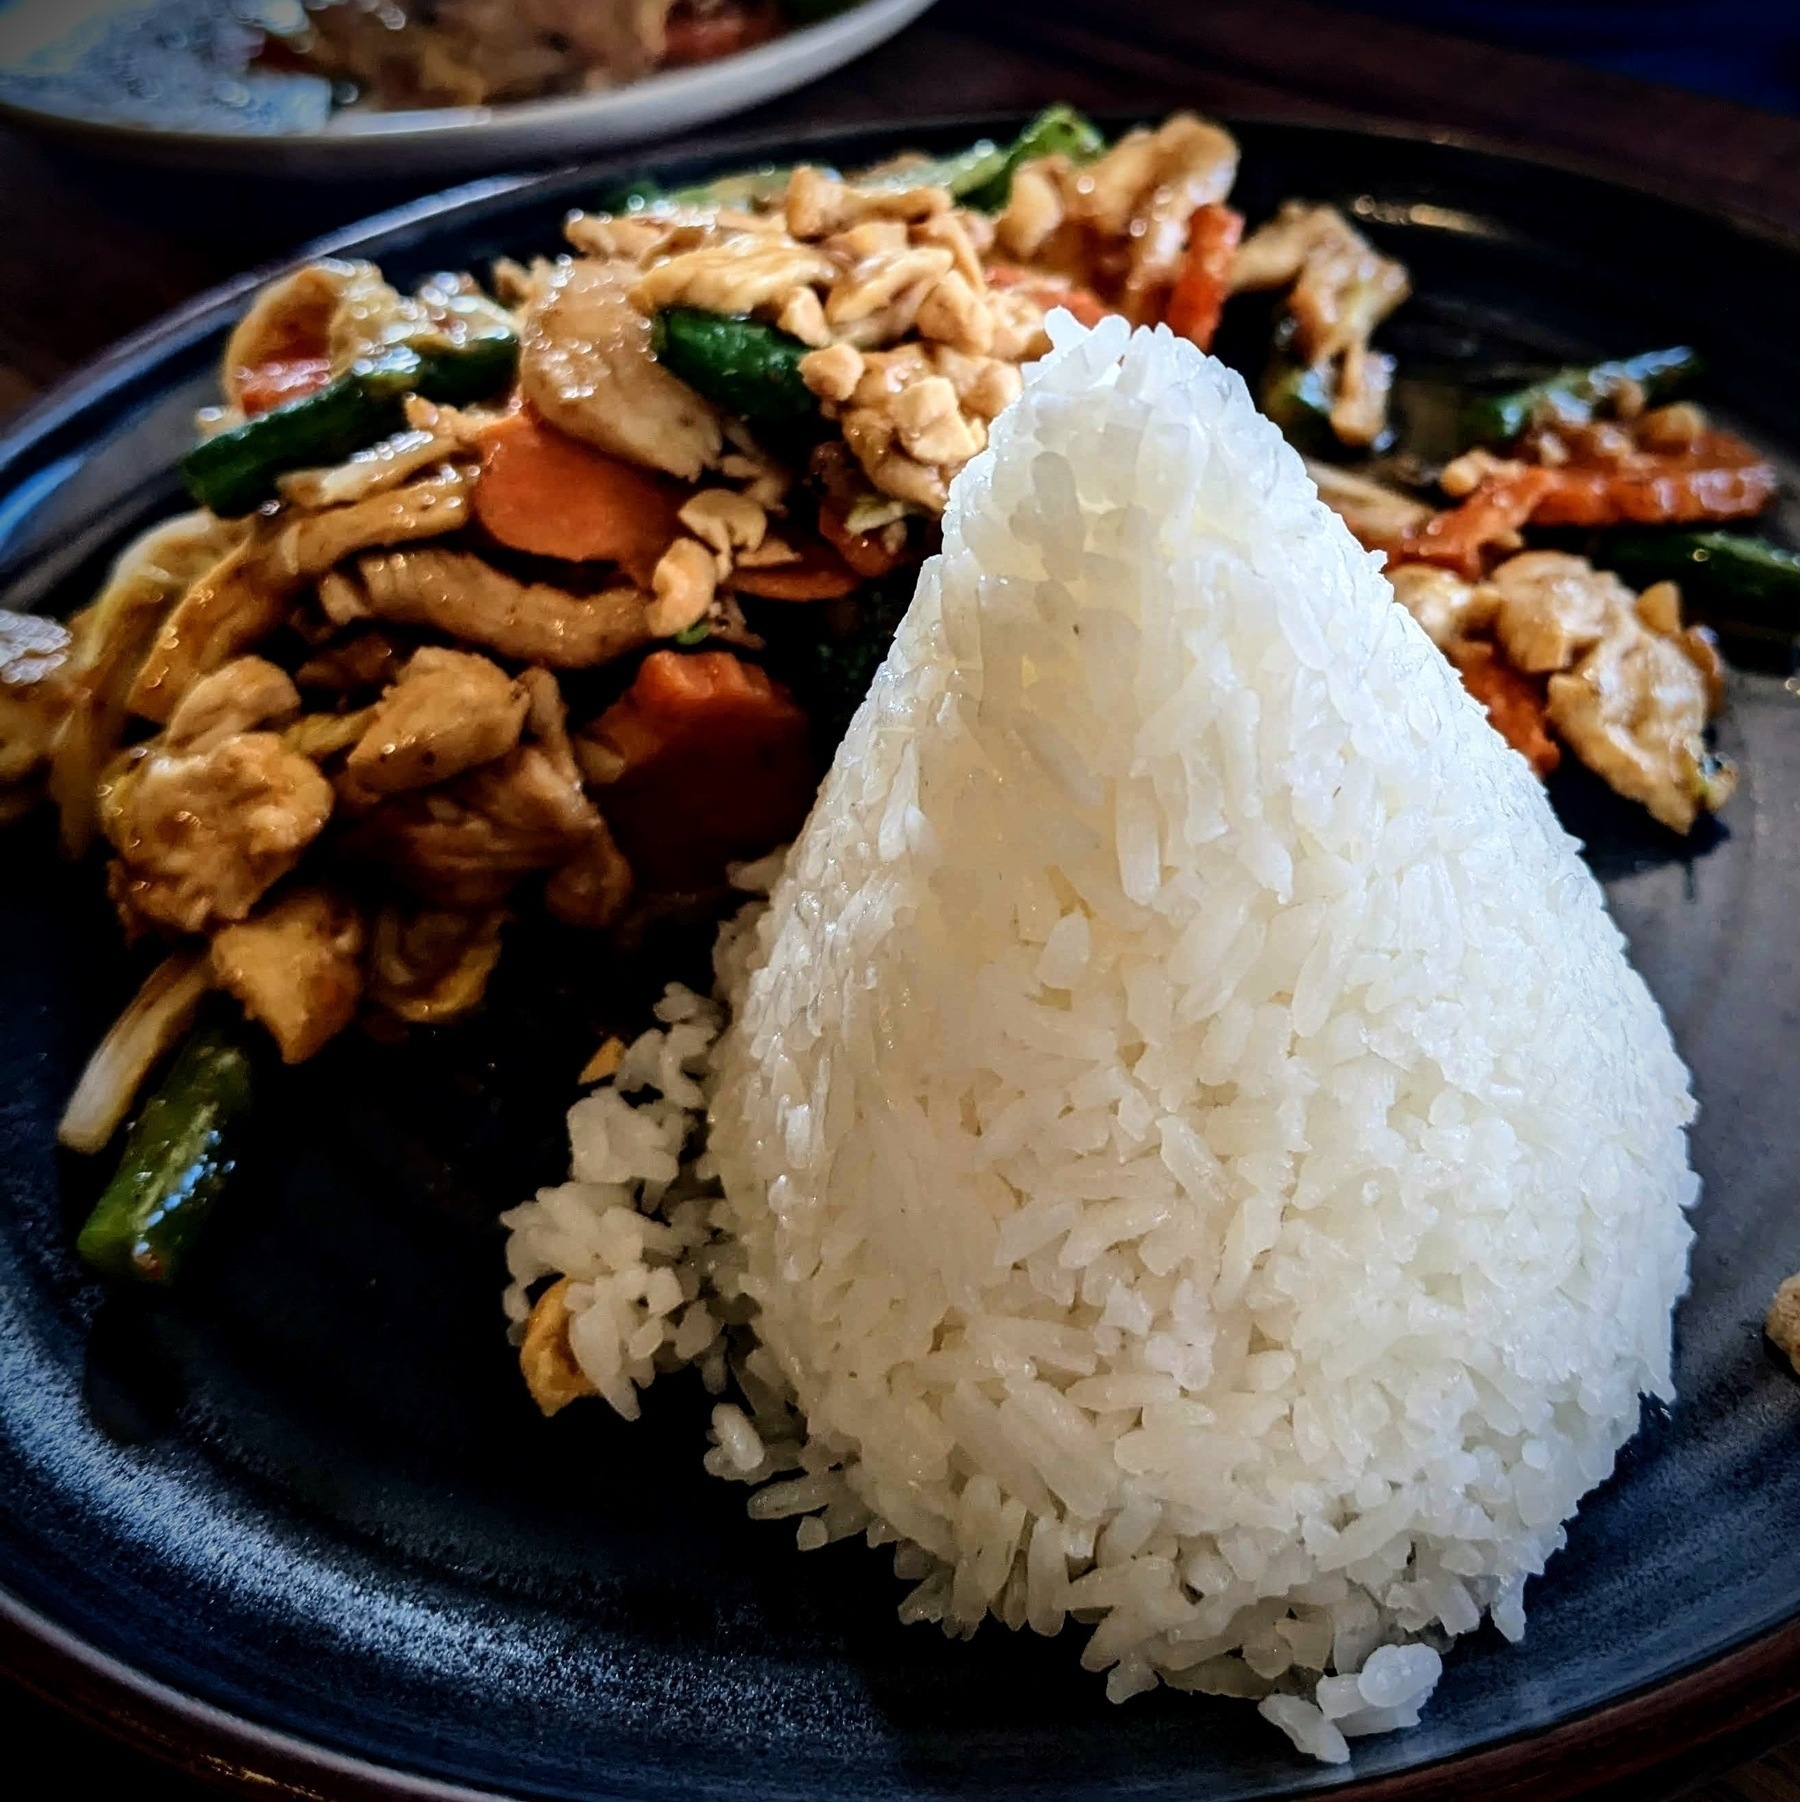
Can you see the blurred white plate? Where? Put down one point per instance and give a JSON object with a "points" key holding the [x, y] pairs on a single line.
{"points": [[465, 139]]}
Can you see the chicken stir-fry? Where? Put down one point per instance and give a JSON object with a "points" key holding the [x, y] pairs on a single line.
{"points": [[1561, 653], [549, 603]]}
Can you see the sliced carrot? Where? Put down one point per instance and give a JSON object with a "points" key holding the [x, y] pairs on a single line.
{"points": [[1198, 297], [1517, 705], [1460, 538], [865, 552], [544, 492], [717, 766], [1718, 477], [280, 380], [818, 574]]}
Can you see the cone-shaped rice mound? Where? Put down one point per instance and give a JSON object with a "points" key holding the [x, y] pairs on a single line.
{"points": [[1203, 1160]]}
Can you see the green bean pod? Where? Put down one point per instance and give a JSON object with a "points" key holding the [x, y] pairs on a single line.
{"points": [[177, 1161]]}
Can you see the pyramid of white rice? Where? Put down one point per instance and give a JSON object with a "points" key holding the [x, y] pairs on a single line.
{"points": [[1202, 1161]]}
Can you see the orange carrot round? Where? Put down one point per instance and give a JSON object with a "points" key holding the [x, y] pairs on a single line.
{"points": [[544, 492], [819, 574]]}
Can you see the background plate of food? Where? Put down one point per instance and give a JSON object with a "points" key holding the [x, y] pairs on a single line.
{"points": [[358, 88], [373, 818]]}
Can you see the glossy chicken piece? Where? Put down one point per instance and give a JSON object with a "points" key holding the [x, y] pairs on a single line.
{"points": [[296, 966], [463, 597], [1448, 608], [377, 470], [206, 824], [586, 366], [112, 637], [428, 965], [466, 845], [1378, 516], [706, 762], [450, 711], [1553, 608], [246, 693], [1634, 710], [307, 547], [34, 673], [1342, 289]]}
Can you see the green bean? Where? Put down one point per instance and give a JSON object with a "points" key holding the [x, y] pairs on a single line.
{"points": [[177, 1161], [234, 472], [742, 365], [1573, 394]]}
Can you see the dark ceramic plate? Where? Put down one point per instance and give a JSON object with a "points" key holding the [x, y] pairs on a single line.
{"points": [[302, 1525]]}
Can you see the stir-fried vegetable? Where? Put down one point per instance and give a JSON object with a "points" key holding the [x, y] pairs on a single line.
{"points": [[157, 1019], [1745, 586], [1571, 396], [235, 472], [1056, 131], [544, 492], [742, 365], [176, 1163]]}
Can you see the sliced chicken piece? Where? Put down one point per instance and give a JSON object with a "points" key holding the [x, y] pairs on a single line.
{"points": [[241, 695], [237, 603], [370, 472], [742, 273], [1553, 608], [428, 965], [296, 966], [466, 845], [449, 712], [457, 594], [1634, 710], [203, 834], [586, 365], [1379, 516], [305, 548], [1449, 608], [35, 659], [592, 888], [1274, 254]]}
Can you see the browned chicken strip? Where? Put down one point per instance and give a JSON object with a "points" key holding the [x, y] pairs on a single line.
{"points": [[449, 712], [240, 600], [245, 693], [296, 967], [465, 845], [208, 816], [457, 594], [586, 365]]}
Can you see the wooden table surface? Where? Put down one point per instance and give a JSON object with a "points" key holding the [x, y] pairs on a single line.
{"points": [[90, 251]]}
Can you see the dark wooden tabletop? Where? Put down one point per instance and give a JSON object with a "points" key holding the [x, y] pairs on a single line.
{"points": [[90, 251]]}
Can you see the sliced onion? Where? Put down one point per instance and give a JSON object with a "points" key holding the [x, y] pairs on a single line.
{"points": [[159, 1015]]}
